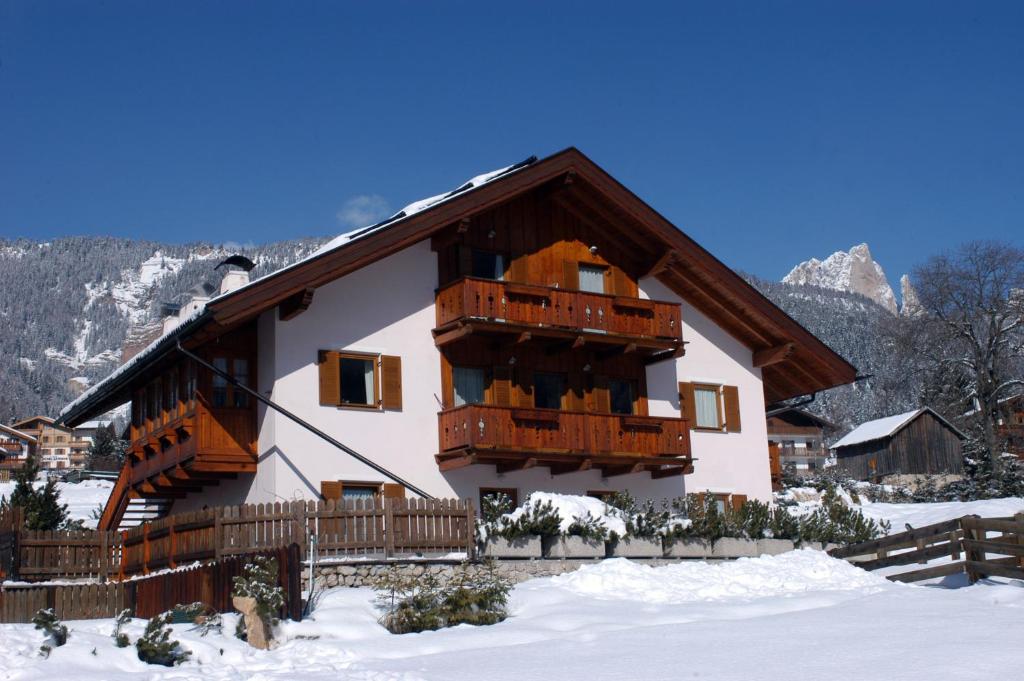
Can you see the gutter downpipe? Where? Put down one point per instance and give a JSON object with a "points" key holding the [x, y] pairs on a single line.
{"points": [[308, 426]]}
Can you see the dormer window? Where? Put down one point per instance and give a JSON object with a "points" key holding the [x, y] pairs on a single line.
{"points": [[487, 265]]}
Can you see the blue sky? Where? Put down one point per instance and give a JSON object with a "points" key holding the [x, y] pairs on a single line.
{"points": [[769, 131]]}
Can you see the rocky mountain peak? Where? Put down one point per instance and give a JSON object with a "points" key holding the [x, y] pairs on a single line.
{"points": [[854, 271]]}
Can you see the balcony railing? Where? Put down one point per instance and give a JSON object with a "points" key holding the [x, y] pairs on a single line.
{"points": [[548, 430], [545, 306]]}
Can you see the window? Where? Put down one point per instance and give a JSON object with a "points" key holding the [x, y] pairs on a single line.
{"points": [[592, 278], [190, 382], [488, 265], [171, 386], [707, 407], [468, 385], [548, 389], [622, 395], [343, 489], [490, 492], [220, 384], [359, 491], [357, 375], [241, 374]]}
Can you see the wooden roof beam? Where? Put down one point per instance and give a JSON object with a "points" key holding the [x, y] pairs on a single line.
{"points": [[295, 304], [773, 355], [524, 464]]}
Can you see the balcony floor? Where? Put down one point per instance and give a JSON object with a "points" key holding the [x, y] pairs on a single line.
{"points": [[508, 460]]}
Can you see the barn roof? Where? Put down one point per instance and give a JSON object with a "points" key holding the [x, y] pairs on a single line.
{"points": [[887, 427]]}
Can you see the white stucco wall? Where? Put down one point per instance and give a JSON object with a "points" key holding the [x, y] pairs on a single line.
{"points": [[732, 463], [356, 313]]}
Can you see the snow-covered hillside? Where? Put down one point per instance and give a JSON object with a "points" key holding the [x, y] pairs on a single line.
{"points": [[70, 308], [83, 498], [794, 616]]}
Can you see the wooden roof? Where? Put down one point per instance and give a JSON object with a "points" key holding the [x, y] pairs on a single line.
{"points": [[793, 361]]}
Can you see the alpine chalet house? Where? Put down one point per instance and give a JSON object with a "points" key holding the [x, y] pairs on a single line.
{"points": [[538, 328]]}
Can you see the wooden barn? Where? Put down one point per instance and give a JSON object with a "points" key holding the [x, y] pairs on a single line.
{"points": [[918, 442]]}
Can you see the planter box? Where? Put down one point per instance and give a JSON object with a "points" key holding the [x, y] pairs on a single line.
{"points": [[774, 547], [633, 547], [727, 547], [520, 547], [688, 548], [572, 547]]}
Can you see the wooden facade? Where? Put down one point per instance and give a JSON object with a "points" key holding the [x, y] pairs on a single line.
{"points": [[543, 305], [924, 445], [189, 429]]}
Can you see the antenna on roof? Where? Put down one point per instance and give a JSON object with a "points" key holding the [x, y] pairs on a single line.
{"points": [[238, 261]]}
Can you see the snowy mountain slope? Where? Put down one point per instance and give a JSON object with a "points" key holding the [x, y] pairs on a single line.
{"points": [[69, 308], [854, 271]]}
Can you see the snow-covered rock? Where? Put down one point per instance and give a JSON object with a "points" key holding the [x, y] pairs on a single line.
{"points": [[854, 271]]}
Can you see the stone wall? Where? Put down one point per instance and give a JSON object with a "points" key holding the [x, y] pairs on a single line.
{"points": [[363, 573]]}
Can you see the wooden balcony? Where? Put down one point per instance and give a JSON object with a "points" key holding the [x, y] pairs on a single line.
{"points": [[470, 305], [566, 441]]}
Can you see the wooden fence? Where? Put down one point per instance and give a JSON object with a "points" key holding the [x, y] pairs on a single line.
{"points": [[965, 541], [375, 528], [149, 596]]}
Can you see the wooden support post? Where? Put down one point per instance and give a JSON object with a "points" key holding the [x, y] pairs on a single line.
{"points": [[470, 530], [389, 527], [145, 548], [124, 555], [954, 547], [1019, 518], [218, 534], [920, 547], [104, 556], [172, 540]]}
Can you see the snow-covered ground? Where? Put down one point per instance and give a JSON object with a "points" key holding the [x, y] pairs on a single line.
{"points": [[794, 616], [82, 498], [807, 499]]}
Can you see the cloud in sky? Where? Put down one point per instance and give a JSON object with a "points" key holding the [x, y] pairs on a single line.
{"points": [[364, 209]]}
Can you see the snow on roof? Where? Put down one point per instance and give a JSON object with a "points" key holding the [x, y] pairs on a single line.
{"points": [[336, 243], [17, 433], [885, 427], [877, 429]]}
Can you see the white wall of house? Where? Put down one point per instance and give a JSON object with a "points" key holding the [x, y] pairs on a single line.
{"points": [[356, 313], [727, 463]]}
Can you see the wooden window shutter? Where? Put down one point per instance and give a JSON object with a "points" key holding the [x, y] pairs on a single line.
{"points": [[687, 406], [621, 285], [392, 490], [731, 397], [574, 399], [602, 398], [571, 275], [501, 386], [330, 377], [517, 269], [330, 489], [391, 382], [738, 500]]}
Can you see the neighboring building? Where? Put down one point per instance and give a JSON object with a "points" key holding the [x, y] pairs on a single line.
{"points": [[797, 437], [538, 328], [15, 448], [1010, 426], [918, 442], [58, 447]]}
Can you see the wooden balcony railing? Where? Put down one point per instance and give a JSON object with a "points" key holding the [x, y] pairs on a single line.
{"points": [[553, 431], [545, 306]]}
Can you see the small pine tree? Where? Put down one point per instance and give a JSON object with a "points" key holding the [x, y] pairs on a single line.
{"points": [[56, 632], [42, 507], [156, 645], [121, 639], [259, 581]]}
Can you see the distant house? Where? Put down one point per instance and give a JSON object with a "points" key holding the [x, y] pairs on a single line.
{"points": [[1010, 426], [918, 442], [59, 447], [15, 448], [796, 437]]}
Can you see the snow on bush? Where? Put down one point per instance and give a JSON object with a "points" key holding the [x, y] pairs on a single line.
{"points": [[547, 513]]}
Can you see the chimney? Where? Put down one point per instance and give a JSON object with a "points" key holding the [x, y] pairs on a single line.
{"points": [[233, 279], [169, 311], [200, 296]]}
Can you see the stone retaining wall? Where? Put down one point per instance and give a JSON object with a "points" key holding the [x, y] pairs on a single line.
{"points": [[363, 573]]}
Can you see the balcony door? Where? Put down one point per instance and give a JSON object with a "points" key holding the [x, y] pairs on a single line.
{"points": [[592, 278]]}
